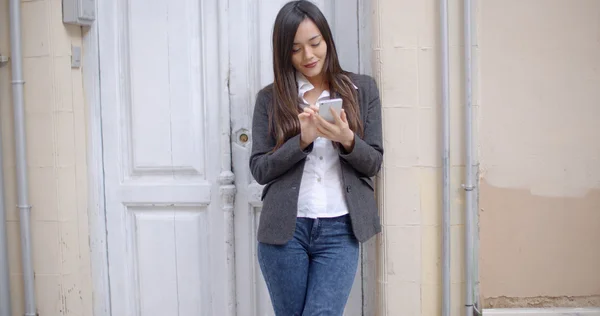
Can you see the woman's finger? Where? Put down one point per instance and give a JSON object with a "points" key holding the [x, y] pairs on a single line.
{"points": [[304, 115], [320, 134], [308, 110], [324, 133], [326, 125], [332, 133], [336, 117], [344, 117]]}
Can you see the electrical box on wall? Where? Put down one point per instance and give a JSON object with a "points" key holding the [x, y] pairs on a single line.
{"points": [[79, 12]]}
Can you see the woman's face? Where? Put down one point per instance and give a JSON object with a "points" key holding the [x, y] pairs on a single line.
{"points": [[309, 50]]}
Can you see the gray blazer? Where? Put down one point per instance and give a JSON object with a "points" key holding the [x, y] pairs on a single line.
{"points": [[281, 171]]}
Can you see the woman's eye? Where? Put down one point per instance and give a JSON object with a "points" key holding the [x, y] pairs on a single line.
{"points": [[317, 44], [295, 50]]}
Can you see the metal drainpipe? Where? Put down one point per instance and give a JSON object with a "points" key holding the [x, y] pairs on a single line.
{"points": [[21, 156], [5, 308], [445, 159], [469, 186]]}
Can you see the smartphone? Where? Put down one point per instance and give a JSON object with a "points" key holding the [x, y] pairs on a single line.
{"points": [[325, 105]]}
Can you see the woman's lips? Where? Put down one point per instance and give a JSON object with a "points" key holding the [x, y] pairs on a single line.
{"points": [[311, 65]]}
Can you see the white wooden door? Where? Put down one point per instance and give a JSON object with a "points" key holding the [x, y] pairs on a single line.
{"points": [[250, 30], [168, 181]]}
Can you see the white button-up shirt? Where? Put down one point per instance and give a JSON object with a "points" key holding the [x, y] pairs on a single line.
{"points": [[321, 189]]}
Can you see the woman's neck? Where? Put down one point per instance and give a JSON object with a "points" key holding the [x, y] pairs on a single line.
{"points": [[318, 82]]}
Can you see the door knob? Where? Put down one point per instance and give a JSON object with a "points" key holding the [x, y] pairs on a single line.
{"points": [[242, 137]]}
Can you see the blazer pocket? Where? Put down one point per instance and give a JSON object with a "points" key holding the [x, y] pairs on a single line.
{"points": [[368, 181]]}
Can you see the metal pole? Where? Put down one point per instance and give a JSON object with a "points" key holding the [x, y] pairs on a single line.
{"points": [[445, 159], [5, 308], [469, 185], [21, 155]]}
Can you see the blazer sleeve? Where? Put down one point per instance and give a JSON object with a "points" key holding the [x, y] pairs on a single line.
{"points": [[266, 165], [367, 154]]}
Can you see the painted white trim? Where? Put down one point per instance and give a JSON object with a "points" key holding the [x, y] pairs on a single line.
{"points": [[227, 186], [95, 168], [365, 45], [542, 311]]}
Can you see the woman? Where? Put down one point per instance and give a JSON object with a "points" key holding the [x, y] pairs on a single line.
{"points": [[318, 199]]}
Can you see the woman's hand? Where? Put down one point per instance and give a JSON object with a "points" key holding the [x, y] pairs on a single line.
{"points": [[308, 126], [339, 131]]}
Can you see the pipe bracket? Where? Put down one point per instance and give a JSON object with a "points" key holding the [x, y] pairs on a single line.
{"points": [[468, 187]]}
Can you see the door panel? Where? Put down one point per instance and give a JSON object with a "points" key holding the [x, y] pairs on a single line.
{"points": [[167, 206], [250, 36]]}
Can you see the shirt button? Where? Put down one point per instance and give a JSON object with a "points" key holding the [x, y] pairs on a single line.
{"points": [[321, 157], [307, 158], [318, 179]]}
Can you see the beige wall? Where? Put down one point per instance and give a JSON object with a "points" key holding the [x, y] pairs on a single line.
{"points": [[406, 62], [56, 154], [540, 152], [538, 67]]}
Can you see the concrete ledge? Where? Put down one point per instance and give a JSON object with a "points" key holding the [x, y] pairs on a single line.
{"points": [[592, 311]]}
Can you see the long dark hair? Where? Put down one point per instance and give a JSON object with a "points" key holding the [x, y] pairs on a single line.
{"points": [[283, 120]]}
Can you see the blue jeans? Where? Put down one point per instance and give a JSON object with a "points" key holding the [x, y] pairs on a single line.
{"points": [[313, 273]]}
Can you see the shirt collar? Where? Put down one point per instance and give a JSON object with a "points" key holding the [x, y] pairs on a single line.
{"points": [[304, 85]]}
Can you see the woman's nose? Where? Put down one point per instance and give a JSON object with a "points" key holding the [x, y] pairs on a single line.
{"points": [[308, 54]]}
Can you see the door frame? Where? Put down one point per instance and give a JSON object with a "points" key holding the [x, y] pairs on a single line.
{"points": [[100, 286], [95, 171]]}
